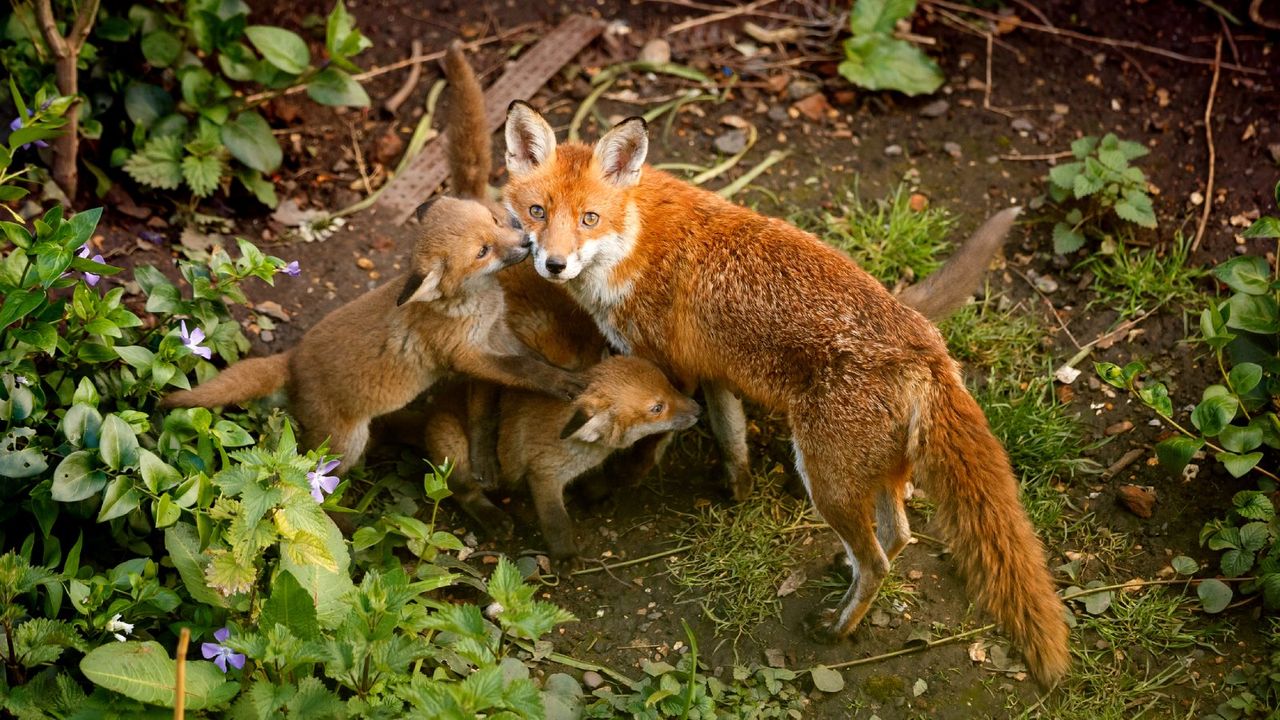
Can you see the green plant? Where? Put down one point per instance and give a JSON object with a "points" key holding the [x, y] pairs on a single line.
{"points": [[1236, 419], [183, 113], [32, 127], [1131, 279], [1100, 182], [1257, 686], [876, 60]]}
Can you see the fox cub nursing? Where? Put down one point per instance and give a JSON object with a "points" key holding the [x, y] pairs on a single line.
{"points": [[378, 352], [720, 296]]}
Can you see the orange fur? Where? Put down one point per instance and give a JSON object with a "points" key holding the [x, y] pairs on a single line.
{"points": [[719, 295]]}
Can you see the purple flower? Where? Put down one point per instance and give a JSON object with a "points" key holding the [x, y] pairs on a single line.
{"points": [[151, 236], [221, 654], [88, 276], [292, 269], [321, 482], [192, 342], [16, 124]]}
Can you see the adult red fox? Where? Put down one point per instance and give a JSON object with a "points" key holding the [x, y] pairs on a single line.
{"points": [[721, 296]]}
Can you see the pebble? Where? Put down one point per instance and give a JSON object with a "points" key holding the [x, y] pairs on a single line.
{"points": [[1023, 125], [801, 88], [731, 142], [918, 202], [592, 680], [1045, 284], [937, 108], [1123, 426], [893, 150], [656, 50], [364, 263], [953, 149], [267, 336], [778, 114]]}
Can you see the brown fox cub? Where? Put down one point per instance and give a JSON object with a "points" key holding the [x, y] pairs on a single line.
{"points": [[549, 443], [718, 295], [378, 352]]}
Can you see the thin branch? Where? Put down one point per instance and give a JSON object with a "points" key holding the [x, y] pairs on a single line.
{"points": [[717, 17], [1208, 134], [49, 29], [913, 649], [84, 23], [394, 102]]}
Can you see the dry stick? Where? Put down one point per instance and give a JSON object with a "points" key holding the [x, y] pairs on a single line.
{"points": [[656, 556], [758, 13], [1045, 156], [180, 679], [1110, 42], [394, 102], [399, 64], [1231, 40], [986, 95], [716, 17], [364, 174], [1208, 134], [1255, 14]]}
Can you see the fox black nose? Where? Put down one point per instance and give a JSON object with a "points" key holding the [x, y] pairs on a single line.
{"points": [[556, 265]]}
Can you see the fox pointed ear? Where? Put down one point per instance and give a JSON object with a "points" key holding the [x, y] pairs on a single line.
{"points": [[530, 140], [421, 288], [587, 429], [622, 150]]}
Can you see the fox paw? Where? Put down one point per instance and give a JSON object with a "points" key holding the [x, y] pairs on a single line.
{"points": [[818, 627]]}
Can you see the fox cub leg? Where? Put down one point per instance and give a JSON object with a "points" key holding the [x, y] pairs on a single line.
{"points": [[844, 492], [557, 526], [447, 439], [347, 438], [729, 425]]}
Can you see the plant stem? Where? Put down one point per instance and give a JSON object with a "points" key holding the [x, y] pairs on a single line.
{"points": [[602, 567], [915, 649], [66, 53], [576, 664]]}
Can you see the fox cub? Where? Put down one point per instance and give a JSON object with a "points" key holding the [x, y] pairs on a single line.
{"points": [[378, 352]]}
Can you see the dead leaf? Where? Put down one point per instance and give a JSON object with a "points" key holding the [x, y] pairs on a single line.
{"points": [[1138, 500], [814, 107], [273, 309], [793, 582], [978, 651]]}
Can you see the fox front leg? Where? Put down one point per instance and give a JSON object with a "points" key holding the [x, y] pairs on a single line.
{"points": [[523, 372]]}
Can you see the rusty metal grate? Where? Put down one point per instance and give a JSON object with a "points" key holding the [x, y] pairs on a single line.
{"points": [[529, 73]]}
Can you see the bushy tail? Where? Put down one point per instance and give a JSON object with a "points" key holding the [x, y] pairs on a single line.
{"points": [[947, 288], [469, 139], [243, 381], [965, 469]]}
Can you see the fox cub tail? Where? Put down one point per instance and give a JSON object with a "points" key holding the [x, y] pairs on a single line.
{"points": [[470, 149], [246, 380]]}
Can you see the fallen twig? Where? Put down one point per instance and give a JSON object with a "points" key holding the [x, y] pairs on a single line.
{"points": [[716, 17], [1208, 135], [1043, 156], [1111, 42], [1255, 14], [394, 102], [913, 649], [364, 170], [636, 561]]}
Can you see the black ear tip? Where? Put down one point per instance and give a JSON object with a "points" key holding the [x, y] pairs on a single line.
{"points": [[424, 208], [644, 124], [518, 103]]}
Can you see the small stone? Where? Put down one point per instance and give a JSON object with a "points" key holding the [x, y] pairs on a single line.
{"points": [[814, 107], [1123, 426], [775, 658], [918, 202], [1274, 150], [893, 150], [915, 574], [364, 263], [953, 149], [1137, 499], [341, 166], [1065, 394], [937, 108], [801, 88], [592, 680], [732, 142], [267, 336], [1045, 284], [778, 114], [1197, 198], [273, 309], [1066, 374], [879, 618], [1061, 109], [1023, 125], [656, 51]]}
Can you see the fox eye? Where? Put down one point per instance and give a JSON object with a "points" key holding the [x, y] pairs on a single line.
{"points": [[657, 408], [483, 252], [590, 219], [538, 212]]}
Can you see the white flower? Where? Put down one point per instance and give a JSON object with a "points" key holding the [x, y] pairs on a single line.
{"points": [[118, 628]]}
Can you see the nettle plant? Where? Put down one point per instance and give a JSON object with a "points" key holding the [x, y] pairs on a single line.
{"points": [[1235, 419], [192, 75], [1099, 183], [876, 60]]}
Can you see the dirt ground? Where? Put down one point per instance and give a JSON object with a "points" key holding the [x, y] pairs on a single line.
{"points": [[1045, 91]]}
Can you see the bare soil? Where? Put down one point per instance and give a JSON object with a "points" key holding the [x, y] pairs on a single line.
{"points": [[1054, 88]]}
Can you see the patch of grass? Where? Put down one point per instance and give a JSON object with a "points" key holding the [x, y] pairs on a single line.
{"points": [[1132, 280], [896, 594], [886, 237], [1000, 342], [744, 552]]}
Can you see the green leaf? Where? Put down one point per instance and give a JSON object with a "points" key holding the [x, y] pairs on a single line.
{"points": [[335, 87], [119, 499], [1097, 603], [1254, 536], [1066, 240], [326, 587], [1236, 562], [1254, 313], [826, 679], [81, 425], [231, 435], [1064, 175], [254, 182], [280, 47], [1175, 452], [1239, 439], [145, 672], [881, 62], [878, 16], [1113, 159], [1239, 465], [166, 511], [1214, 413], [119, 444], [248, 138], [76, 478], [1214, 595], [18, 305], [290, 606], [158, 163], [1253, 505], [182, 543], [1136, 208], [135, 356], [342, 40], [202, 173], [161, 48], [1086, 184], [158, 475], [1270, 584], [1244, 377], [1132, 150], [1184, 565], [1264, 227], [1081, 147], [1248, 274]]}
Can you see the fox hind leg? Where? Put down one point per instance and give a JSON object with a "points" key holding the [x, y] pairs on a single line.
{"points": [[729, 425], [893, 529]]}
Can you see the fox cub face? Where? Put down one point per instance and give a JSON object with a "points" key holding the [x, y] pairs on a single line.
{"points": [[627, 399], [574, 201], [462, 240]]}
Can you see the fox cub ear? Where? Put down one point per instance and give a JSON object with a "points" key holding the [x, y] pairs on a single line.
{"points": [[530, 140], [622, 150], [586, 428], [420, 288]]}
